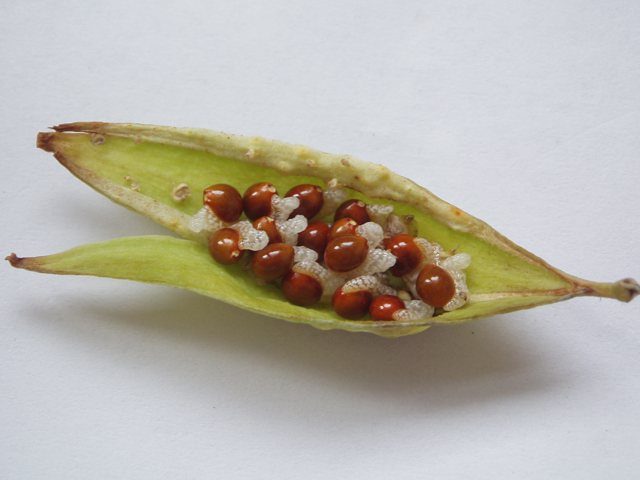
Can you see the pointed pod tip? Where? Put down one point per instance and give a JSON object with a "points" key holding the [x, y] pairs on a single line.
{"points": [[14, 260]]}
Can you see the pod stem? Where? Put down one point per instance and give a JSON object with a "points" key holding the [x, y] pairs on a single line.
{"points": [[624, 290]]}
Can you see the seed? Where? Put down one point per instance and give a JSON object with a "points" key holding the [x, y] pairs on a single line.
{"points": [[346, 253], [352, 305], [315, 237], [355, 209], [273, 262], [268, 225], [407, 253], [344, 226], [257, 200], [224, 201], [435, 286], [301, 289], [384, 306], [311, 200], [223, 246]]}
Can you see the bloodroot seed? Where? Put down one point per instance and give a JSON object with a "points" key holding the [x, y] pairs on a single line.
{"points": [[273, 262], [346, 253], [384, 306], [224, 201], [301, 289], [435, 286], [223, 246], [268, 225], [355, 209], [407, 253], [344, 226], [315, 237], [257, 200], [311, 200], [352, 305]]}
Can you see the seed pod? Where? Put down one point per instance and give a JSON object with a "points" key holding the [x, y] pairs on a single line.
{"points": [[503, 277]]}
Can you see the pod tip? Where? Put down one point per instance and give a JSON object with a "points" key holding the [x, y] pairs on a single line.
{"points": [[626, 290]]}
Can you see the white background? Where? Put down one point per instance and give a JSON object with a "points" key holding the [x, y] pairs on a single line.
{"points": [[525, 114]]}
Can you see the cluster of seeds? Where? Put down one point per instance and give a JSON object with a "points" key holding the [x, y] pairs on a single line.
{"points": [[351, 261]]}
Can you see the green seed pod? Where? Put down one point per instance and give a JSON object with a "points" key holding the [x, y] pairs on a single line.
{"points": [[503, 277]]}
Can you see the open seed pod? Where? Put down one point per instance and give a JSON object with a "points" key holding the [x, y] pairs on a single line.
{"points": [[502, 277]]}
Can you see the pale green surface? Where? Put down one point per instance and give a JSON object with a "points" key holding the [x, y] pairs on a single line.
{"points": [[185, 264], [158, 168]]}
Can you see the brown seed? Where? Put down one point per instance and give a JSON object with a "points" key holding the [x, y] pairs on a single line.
{"points": [[311, 200], [223, 246], [435, 286], [224, 201], [355, 209], [346, 253], [257, 200], [315, 237], [384, 306], [301, 289], [344, 226], [268, 225], [352, 305], [273, 261], [407, 253]]}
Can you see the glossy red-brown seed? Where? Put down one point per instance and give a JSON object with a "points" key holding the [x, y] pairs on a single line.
{"points": [[311, 200], [223, 246], [355, 209], [268, 225], [435, 286], [384, 306], [352, 305], [224, 201], [257, 200], [272, 262], [344, 226], [315, 237], [301, 289], [346, 253], [407, 253]]}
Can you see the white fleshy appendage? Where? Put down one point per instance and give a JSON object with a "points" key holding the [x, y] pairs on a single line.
{"points": [[455, 266], [250, 238], [329, 281], [414, 310], [372, 232], [377, 261], [370, 283], [204, 219], [332, 198], [379, 213], [291, 228], [282, 207], [304, 254]]}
